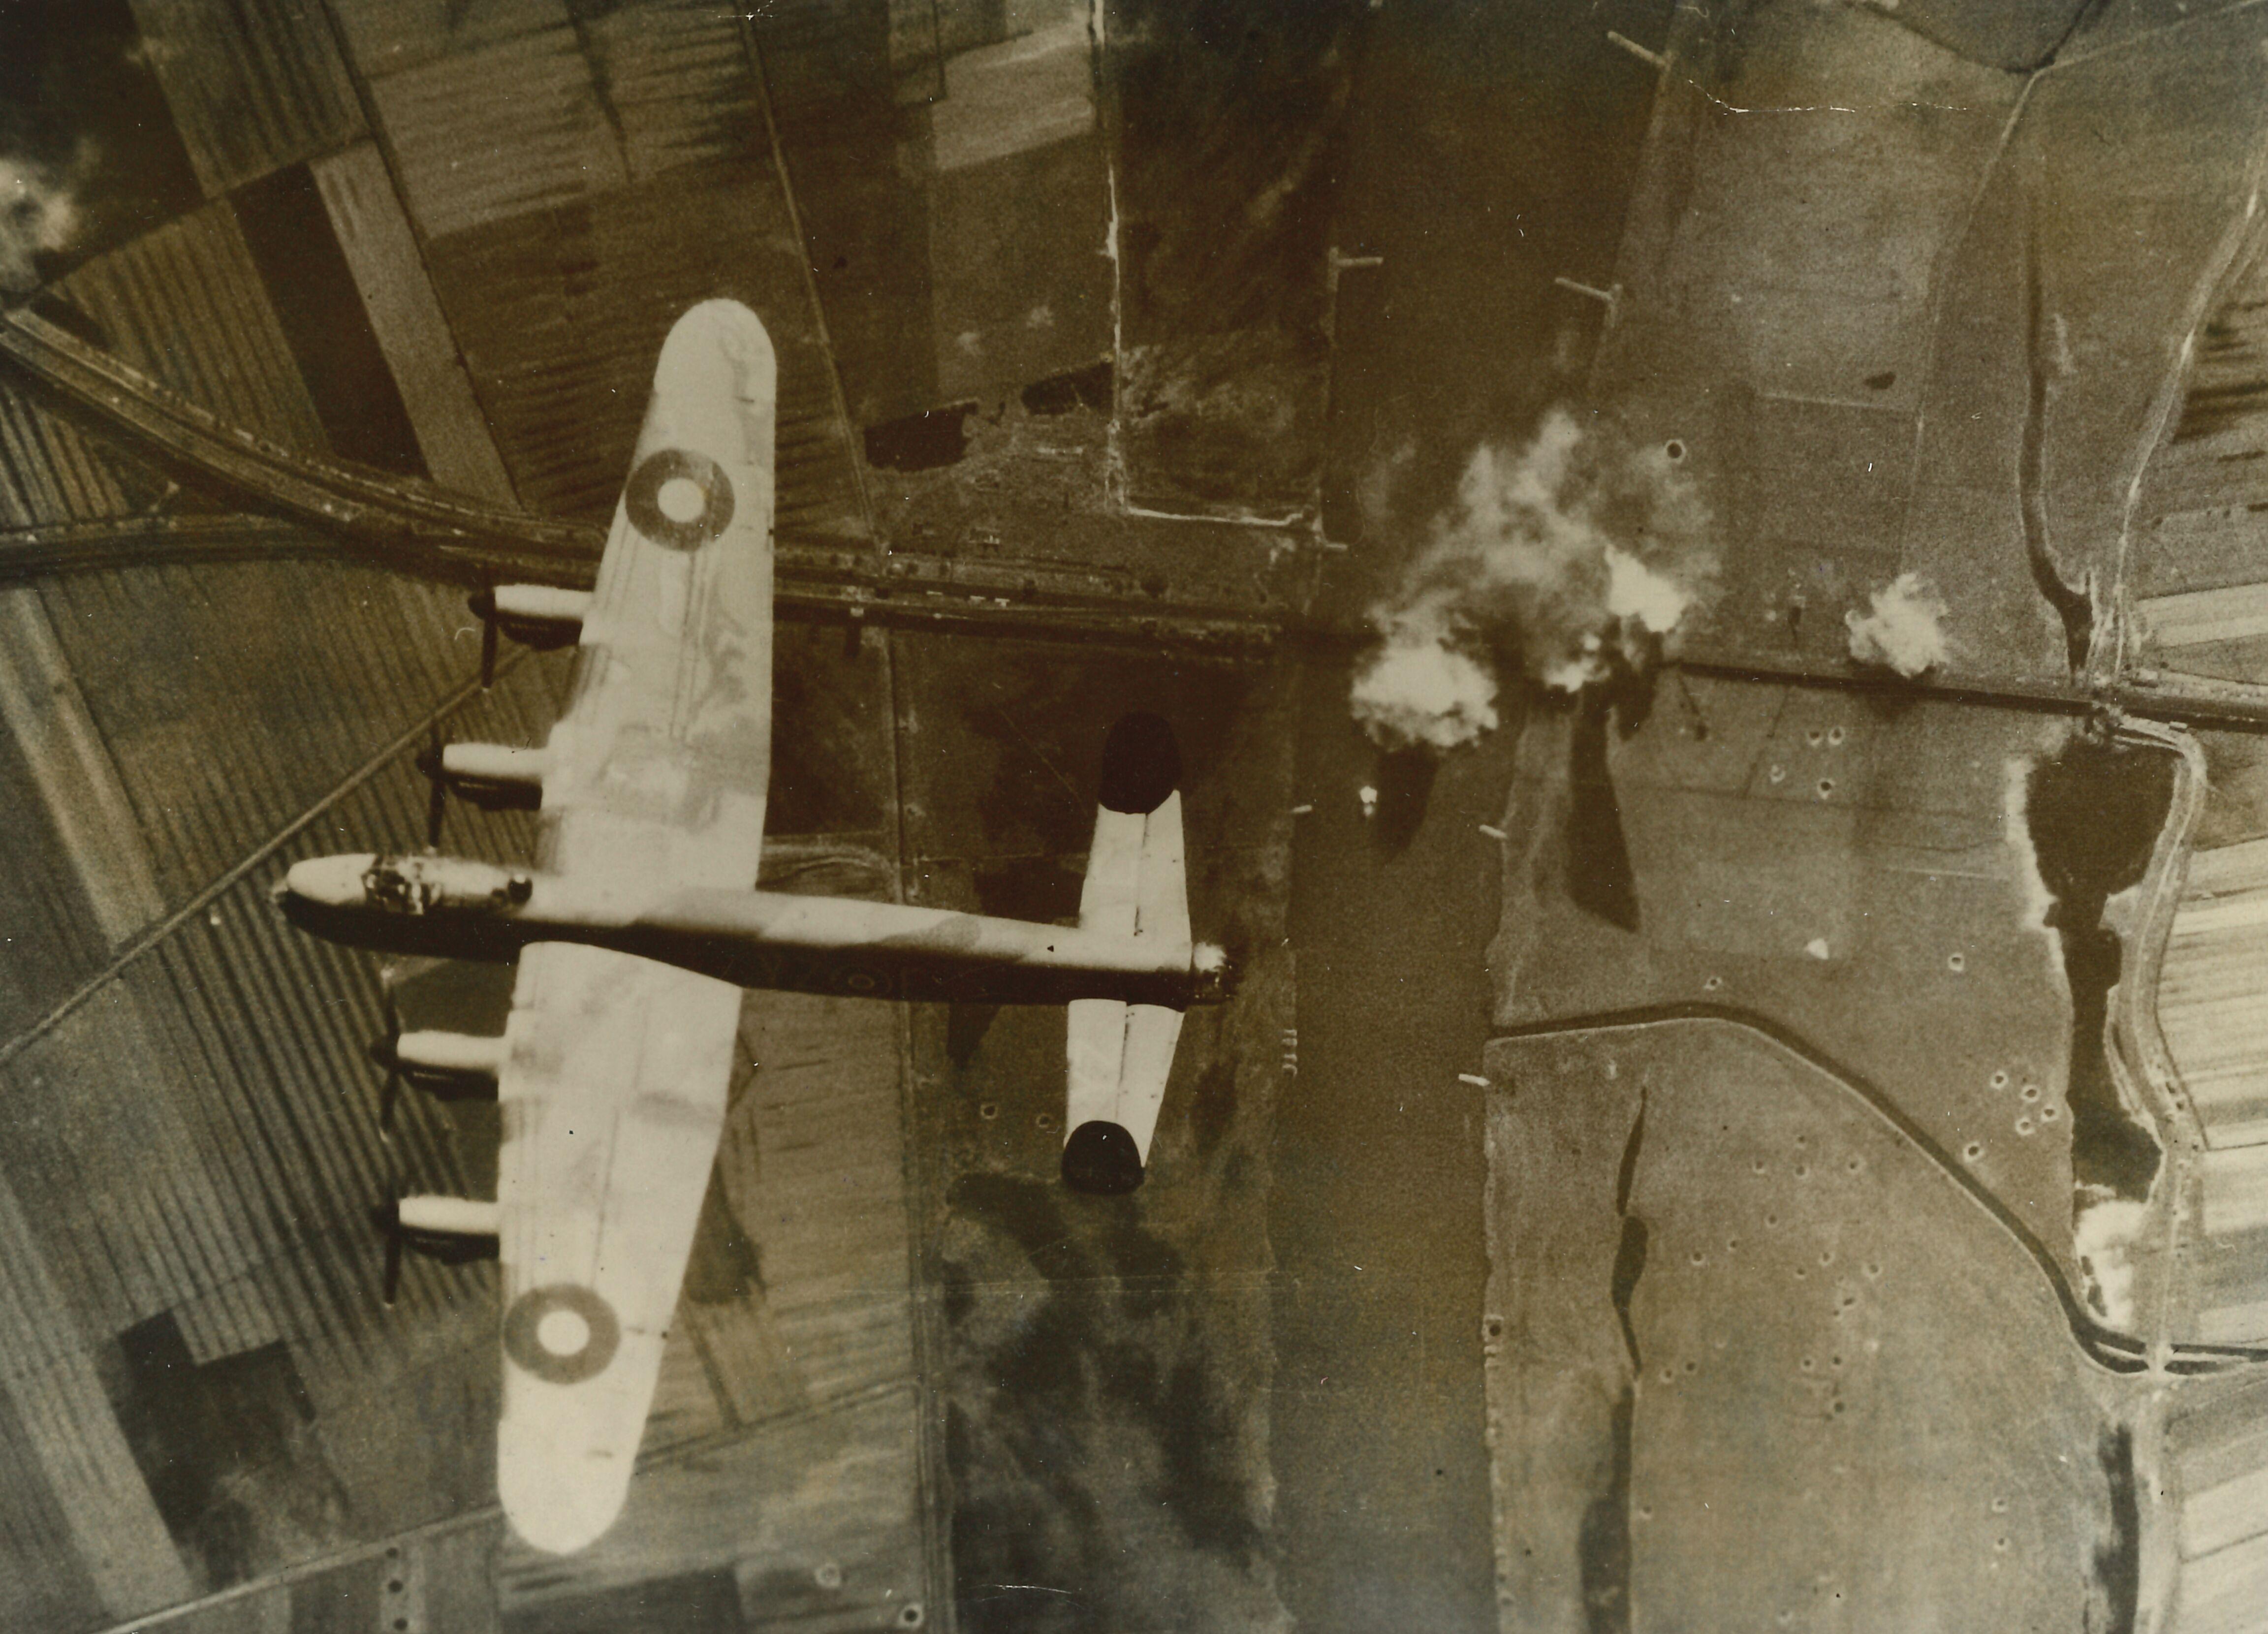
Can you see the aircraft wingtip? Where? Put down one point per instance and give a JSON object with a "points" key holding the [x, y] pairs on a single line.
{"points": [[559, 1506], [730, 327], [560, 1522]]}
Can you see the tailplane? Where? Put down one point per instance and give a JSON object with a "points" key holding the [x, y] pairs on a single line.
{"points": [[1122, 1054]]}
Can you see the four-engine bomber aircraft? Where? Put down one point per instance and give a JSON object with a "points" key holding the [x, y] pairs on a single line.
{"points": [[640, 923]]}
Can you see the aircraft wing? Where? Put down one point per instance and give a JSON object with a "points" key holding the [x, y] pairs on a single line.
{"points": [[613, 1080], [613, 1094], [657, 771]]}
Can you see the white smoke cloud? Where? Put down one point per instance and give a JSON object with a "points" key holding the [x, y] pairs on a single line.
{"points": [[1411, 690], [2103, 1234], [1550, 556], [1904, 630], [38, 214], [1635, 591]]}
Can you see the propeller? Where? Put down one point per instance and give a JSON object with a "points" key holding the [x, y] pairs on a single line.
{"points": [[387, 1218], [449, 1248], [437, 783], [386, 1052], [484, 603]]}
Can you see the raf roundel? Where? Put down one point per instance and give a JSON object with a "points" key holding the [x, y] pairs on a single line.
{"points": [[562, 1333], [679, 498]]}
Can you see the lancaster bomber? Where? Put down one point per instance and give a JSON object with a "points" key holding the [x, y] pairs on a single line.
{"points": [[639, 923]]}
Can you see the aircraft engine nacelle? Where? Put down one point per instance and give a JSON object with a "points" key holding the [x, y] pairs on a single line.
{"points": [[494, 777], [434, 1216], [452, 1065], [455, 1231], [542, 616]]}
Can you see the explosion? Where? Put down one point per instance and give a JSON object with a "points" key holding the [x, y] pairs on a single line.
{"points": [[1904, 631], [1557, 557], [2105, 1231], [1415, 690]]}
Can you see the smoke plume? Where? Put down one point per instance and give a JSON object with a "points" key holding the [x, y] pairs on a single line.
{"points": [[1553, 559], [1904, 630], [38, 215], [1413, 692]]}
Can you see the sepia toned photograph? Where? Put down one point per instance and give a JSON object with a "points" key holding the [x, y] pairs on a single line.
{"points": [[1133, 816]]}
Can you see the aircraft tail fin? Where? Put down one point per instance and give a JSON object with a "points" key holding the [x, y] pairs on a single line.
{"points": [[1121, 1054]]}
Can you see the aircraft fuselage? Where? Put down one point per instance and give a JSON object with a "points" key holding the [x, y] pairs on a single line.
{"points": [[455, 908]]}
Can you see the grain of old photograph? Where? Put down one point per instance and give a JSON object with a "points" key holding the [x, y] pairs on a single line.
{"points": [[1133, 816]]}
